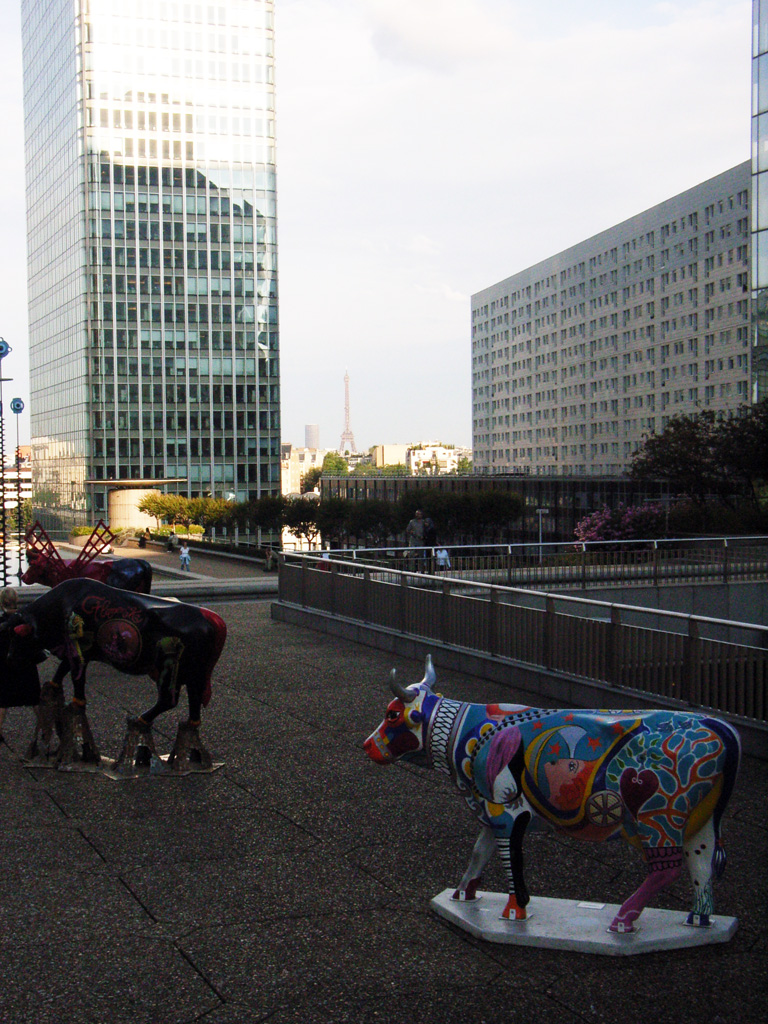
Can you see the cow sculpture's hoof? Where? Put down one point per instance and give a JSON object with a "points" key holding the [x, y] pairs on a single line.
{"points": [[138, 756], [50, 712], [77, 743], [188, 753], [468, 895]]}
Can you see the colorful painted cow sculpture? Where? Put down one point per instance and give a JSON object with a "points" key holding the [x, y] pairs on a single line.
{"points": [[46, 565], [82, 620], [659, 779], [133, 574]]}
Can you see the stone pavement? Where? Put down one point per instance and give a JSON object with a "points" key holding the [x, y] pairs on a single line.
{"points": [[293, 885]]}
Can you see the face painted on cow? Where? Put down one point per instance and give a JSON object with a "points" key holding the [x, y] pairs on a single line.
{"points": [[401, 734]]}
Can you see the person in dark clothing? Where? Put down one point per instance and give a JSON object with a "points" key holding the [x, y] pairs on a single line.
{"points": [[430, 533], [19, 683]]}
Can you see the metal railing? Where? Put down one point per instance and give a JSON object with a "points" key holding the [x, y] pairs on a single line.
{"points": [[698, 660], [590, 564]]}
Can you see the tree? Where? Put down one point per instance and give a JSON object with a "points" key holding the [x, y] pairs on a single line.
{"points": [[625, 522], [311, 479], [464, 465], [210, 511], [495, 511], [266, 513], [332, 516], [171, 507], [335, 465], [372, 518], [744, 447], [686, 453], [709, 454], [300, 517]]}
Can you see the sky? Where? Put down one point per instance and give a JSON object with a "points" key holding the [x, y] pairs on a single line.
{"points": [[428, 149]]}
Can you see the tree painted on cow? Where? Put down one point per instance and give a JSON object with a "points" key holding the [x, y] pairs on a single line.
{"points": [[82, 620], [46, 565], [659, 779]]}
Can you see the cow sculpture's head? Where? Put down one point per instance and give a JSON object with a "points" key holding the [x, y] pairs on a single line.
{"points": [[38, 568], [402, 733]]}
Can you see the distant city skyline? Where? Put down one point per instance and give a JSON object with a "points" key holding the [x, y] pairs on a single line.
{"points": [[429, 147]]}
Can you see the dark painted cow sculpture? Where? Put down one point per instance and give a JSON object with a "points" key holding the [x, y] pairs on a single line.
{"points": [[133, 574], [659, 779], [83, 620]]}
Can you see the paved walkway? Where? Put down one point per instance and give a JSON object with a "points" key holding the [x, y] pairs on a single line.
{"points": [[293, 885]]}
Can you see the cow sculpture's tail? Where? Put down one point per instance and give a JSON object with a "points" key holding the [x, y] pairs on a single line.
{"points": [[732, 745], [220, 636]]}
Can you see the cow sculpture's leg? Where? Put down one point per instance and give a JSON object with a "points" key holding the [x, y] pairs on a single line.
{"points": [[481, 854], [511, 852], [705, 859], [663, 864], [167, 658]]}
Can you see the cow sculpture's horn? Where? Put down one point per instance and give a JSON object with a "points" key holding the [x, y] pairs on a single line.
{"points": [[430, 678], [400, 691]]}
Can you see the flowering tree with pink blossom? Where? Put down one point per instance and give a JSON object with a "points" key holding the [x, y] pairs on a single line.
{"points": [[625, 522]]}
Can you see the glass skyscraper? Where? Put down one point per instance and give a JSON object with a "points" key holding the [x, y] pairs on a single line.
{"points": [[760, 197], [152, 249]]}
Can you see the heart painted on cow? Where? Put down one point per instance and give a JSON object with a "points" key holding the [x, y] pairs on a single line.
{"points": [[636, 789]]}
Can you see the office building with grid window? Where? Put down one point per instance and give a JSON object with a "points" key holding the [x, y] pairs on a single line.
{"points": [[760, 197], [576, 359], [152, 247]]}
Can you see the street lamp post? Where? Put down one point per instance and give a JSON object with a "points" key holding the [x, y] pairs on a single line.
{"points": [[17, 407], [5, 349], [541, 512]]}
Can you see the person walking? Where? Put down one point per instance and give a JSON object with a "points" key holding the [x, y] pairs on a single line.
{"points": [[442, 558], [414, 531], [184, 556], [19, 682]]}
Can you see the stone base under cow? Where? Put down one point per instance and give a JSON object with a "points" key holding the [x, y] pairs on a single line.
{"points": [[577, 925]]}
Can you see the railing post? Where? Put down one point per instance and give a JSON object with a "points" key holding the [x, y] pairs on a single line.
{"points": [[304, 569], [446, 593], [584, 566], [403, 588], [366, 594], [614, 629], [493, 621], [509, 565], [549, 632], [655, 564], [690, 682], [334, 576], [726, 559]]}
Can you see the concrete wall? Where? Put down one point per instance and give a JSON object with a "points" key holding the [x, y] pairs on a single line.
{"points": [[737, 602]]}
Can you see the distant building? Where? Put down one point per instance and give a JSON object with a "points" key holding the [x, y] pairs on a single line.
{"points": [[152, 248], [576, 359], [294, 463], [389, 455], [312, 435], [434, 459], [760, 198]]}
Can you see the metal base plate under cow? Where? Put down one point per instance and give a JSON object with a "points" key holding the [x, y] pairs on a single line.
{"points": [[138, 759], [156, 768], [578, 926]]}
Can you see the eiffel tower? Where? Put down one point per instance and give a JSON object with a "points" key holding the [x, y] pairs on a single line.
{"points": [[347, 443]]}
